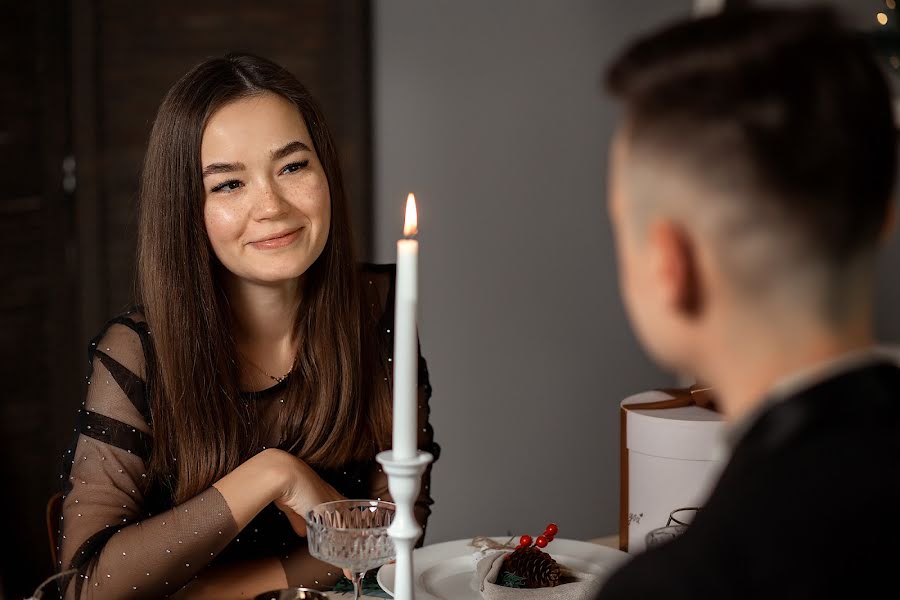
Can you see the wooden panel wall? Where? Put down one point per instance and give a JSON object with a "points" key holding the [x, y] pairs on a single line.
{"points": [[38, 365], [82, 79]]}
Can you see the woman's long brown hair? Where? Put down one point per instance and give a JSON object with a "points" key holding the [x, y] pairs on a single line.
{"points": [[337, 404]]}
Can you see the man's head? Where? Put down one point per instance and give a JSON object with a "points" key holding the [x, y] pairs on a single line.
{"points": [[750, 178]]}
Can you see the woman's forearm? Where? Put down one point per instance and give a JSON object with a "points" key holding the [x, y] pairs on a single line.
{"points": [[244, 579], [252, 486], [302, 570], [159, 554]]}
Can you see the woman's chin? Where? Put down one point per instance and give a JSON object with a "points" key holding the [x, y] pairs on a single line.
{"points": [[274, 271], [268, 277]]}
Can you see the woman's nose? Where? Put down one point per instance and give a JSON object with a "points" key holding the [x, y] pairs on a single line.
{"points": [[269, 202]]}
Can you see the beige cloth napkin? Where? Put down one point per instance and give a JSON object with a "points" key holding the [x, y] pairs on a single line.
{"points": [[487, 570]]}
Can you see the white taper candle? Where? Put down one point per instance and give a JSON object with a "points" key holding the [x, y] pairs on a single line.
{"points": [[406, 350]]}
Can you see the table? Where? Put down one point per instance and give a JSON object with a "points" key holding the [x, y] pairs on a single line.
{"points": [[610, 540]]}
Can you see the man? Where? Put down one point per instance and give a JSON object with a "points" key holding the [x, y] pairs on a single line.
{"points": [[751, 182]]}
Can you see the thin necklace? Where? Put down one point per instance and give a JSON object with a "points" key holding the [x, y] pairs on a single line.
{"points": [[267, 374]]}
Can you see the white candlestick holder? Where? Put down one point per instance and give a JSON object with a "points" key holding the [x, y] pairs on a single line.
{"points": [[404, 482]]}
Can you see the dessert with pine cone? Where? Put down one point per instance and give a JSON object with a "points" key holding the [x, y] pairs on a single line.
{"points": [[527, 572], [529, 566]]}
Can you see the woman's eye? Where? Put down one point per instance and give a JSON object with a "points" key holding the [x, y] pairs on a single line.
{"points": [[228, 186], [294, 167]]}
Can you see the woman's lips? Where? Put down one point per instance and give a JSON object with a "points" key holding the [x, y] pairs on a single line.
{"points": [[278, 242]]}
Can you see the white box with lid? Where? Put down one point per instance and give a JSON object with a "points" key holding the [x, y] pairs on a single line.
{"points": [[671, 458]]}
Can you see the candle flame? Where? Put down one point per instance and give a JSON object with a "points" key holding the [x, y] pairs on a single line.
{"points": [[411, 225]]}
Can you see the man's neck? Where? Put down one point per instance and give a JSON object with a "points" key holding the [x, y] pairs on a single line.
{"points": [[743, 377]]}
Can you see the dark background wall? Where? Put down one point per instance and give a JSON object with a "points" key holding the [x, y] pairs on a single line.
{"points": [[81, 84]]}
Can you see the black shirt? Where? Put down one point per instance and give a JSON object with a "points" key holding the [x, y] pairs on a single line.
{"points": [[126, 536], [807, 507]]}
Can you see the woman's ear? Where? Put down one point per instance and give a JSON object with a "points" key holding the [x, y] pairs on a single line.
{"points": [[676, 270]]}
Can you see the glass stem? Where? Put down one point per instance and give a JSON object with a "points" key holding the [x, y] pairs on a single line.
{"points": [[357, 585]]}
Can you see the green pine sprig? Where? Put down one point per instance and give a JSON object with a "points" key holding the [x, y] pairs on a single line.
{"points": [[511, 580]]}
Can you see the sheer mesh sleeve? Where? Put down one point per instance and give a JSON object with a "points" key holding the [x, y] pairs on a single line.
{"points": [[106, 529]]}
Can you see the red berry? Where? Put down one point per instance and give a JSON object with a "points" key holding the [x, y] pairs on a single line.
{"points": [[551, 530], [524, 541], [541, 542]]}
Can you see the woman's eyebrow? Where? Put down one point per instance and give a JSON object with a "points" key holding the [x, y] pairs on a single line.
{"points": [[222, 168], [288, 149]]}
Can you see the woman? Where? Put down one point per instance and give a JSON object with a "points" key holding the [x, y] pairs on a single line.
{"points": [[253, 383]]}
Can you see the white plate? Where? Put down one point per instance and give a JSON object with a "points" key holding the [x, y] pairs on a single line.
{"points": [[444, 571]]}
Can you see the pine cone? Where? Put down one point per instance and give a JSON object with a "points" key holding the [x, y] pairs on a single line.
{"points": [[537, 567]]}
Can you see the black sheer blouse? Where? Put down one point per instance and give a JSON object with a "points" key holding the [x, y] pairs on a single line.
{"points": [[125, 536]]}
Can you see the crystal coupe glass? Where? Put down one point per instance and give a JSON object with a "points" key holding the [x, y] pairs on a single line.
{"points": [[352, 535]]}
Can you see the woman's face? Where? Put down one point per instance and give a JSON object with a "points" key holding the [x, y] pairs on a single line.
{"points": [[267, 206]]}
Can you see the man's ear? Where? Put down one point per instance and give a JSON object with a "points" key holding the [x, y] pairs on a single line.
{"points": [[675, 267]]}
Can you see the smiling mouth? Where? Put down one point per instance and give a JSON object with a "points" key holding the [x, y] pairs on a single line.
{"points": [[278, 240]]}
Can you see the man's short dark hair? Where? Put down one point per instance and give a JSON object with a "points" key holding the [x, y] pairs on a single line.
{"points": [[786, 106]]}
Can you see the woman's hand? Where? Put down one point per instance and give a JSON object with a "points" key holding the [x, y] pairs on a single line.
{"points": [[301, 489]]}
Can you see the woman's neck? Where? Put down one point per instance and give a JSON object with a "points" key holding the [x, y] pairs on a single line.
{"points": [[264, 323]]}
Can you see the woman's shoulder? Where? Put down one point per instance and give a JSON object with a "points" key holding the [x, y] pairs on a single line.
{"points": [[124, 339], [118, 358], [134, 317]]}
